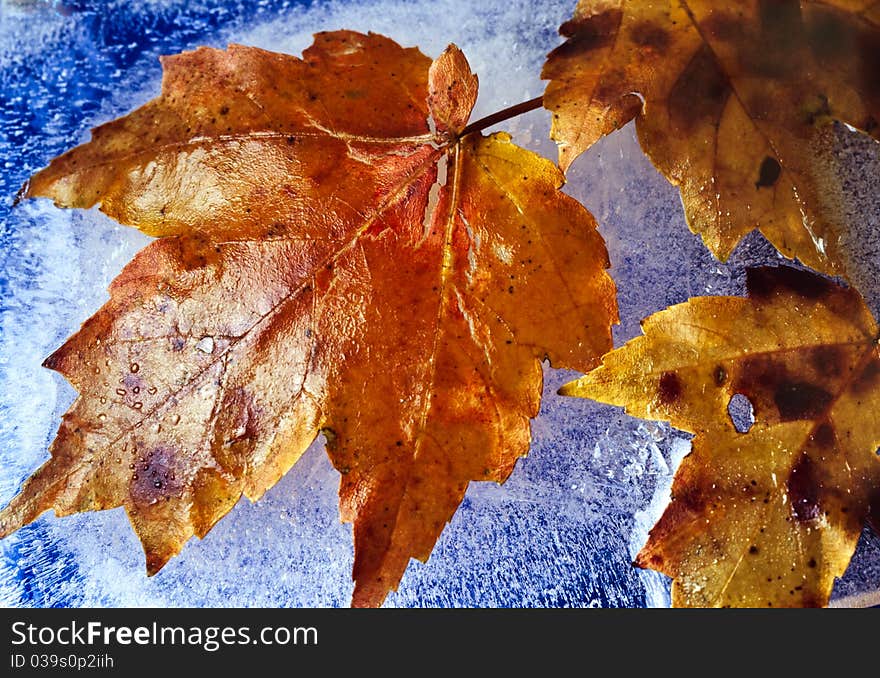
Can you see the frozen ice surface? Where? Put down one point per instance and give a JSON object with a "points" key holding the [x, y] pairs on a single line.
{"points": [[561, 532]]}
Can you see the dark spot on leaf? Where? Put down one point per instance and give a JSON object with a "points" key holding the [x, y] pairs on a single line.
{"points": [[824, 436], [803, 489], [691, 499], [156, 478], [769, 173], [647, 34], [700, 93], [830, 36], [811, 600], [800, 400], [869, 377], [669, 389], [781, 33], [763, 282], [753, 550], [874, 509], [829, 361], [593, 31], [758, 379], [721, 26]]}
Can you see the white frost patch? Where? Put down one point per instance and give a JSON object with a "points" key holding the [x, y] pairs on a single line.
{"points": [[433, 198], [504, 253], [206, 345]]}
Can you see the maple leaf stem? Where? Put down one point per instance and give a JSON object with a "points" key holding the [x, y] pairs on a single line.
{"points": [[502, 115]]}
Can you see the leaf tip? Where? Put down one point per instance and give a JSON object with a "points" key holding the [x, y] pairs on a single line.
{"points": [[452, 90], [18, 513], [566, 158], [155, 562], [569, 389], [23, 192], [453, 49], [6, 527], [367, 596], [53, 361], [640, 561]]}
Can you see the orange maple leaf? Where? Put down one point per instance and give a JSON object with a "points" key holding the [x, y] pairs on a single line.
{"points": [[334, 256]]}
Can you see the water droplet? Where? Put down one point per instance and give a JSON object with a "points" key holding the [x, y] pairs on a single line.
{"points": [[121, 391], [138, 405], [152, 390], [136, 389], [157, 484], [131, 466], [134, 367], [102, 400], [134, 476], [102, 417], [175, 420]]}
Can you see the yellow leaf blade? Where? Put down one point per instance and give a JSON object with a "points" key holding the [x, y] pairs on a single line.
{"points": [[732, 103], [768, 516]]}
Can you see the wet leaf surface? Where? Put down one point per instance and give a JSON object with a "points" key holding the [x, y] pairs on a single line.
{"points": [[331, 258], [770, 516], [732, 103]]}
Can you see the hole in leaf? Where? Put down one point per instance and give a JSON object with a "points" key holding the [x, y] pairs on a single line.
{"points": [[768, 173], [741, 412]]}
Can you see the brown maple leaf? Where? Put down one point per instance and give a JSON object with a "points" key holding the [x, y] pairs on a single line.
{"points": [[334, 257], [731, 101], [771, 516]]}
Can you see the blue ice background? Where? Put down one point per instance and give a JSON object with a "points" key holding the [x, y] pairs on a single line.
{"points": [[560, 533]]}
